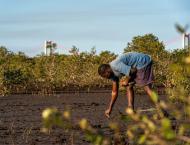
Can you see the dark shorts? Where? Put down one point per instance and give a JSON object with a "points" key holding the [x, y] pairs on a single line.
{"points": [[143, 76]]}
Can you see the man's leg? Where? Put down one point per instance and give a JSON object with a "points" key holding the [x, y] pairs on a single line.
{"points": [[130, 96], [148, 90]]}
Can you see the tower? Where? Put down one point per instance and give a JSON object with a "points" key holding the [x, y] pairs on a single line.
{"points": [[49, 47], [186, 40]]}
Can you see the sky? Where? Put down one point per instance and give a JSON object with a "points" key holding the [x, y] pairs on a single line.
{"points": [[103, 24]]}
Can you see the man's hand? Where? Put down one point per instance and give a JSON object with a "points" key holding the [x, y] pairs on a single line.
{"points": [[107, 113]]}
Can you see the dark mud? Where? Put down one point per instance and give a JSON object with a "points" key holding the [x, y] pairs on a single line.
{"points": [[20, 116]]}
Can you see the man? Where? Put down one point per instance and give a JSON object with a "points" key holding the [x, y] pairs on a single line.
{"points": [[130, 68]]}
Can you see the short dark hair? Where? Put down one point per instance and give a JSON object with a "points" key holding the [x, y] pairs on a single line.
{"points": [[102, 69]]}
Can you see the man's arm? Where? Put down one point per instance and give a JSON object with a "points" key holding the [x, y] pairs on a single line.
{"points": [[114, 96]]}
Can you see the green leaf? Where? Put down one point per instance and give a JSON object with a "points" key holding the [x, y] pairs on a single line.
{"points": [[166, 123], [90, 137], [142, 139], [98, 140], [150, 124], [181, 130], [169, 134], [154, 97]]}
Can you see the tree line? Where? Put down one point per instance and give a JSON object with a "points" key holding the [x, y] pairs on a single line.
{"points": [[78, 70]]}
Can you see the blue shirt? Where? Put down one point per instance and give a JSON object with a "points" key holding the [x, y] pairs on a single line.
{"points": [[122, 65]]}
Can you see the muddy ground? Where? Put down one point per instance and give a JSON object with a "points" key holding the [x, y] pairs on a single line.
{"points": [[20, 116]]}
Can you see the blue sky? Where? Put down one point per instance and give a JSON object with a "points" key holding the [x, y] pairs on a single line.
{"points": [[104, 24]]}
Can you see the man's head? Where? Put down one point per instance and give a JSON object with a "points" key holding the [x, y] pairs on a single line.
{"points": [[105, 71]]}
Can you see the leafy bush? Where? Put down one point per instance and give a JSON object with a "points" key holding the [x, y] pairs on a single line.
{"points": [[78, 70]]}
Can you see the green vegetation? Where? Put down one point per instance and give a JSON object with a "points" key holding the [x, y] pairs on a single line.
{"points": [[78, 70], [49, 74]]}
